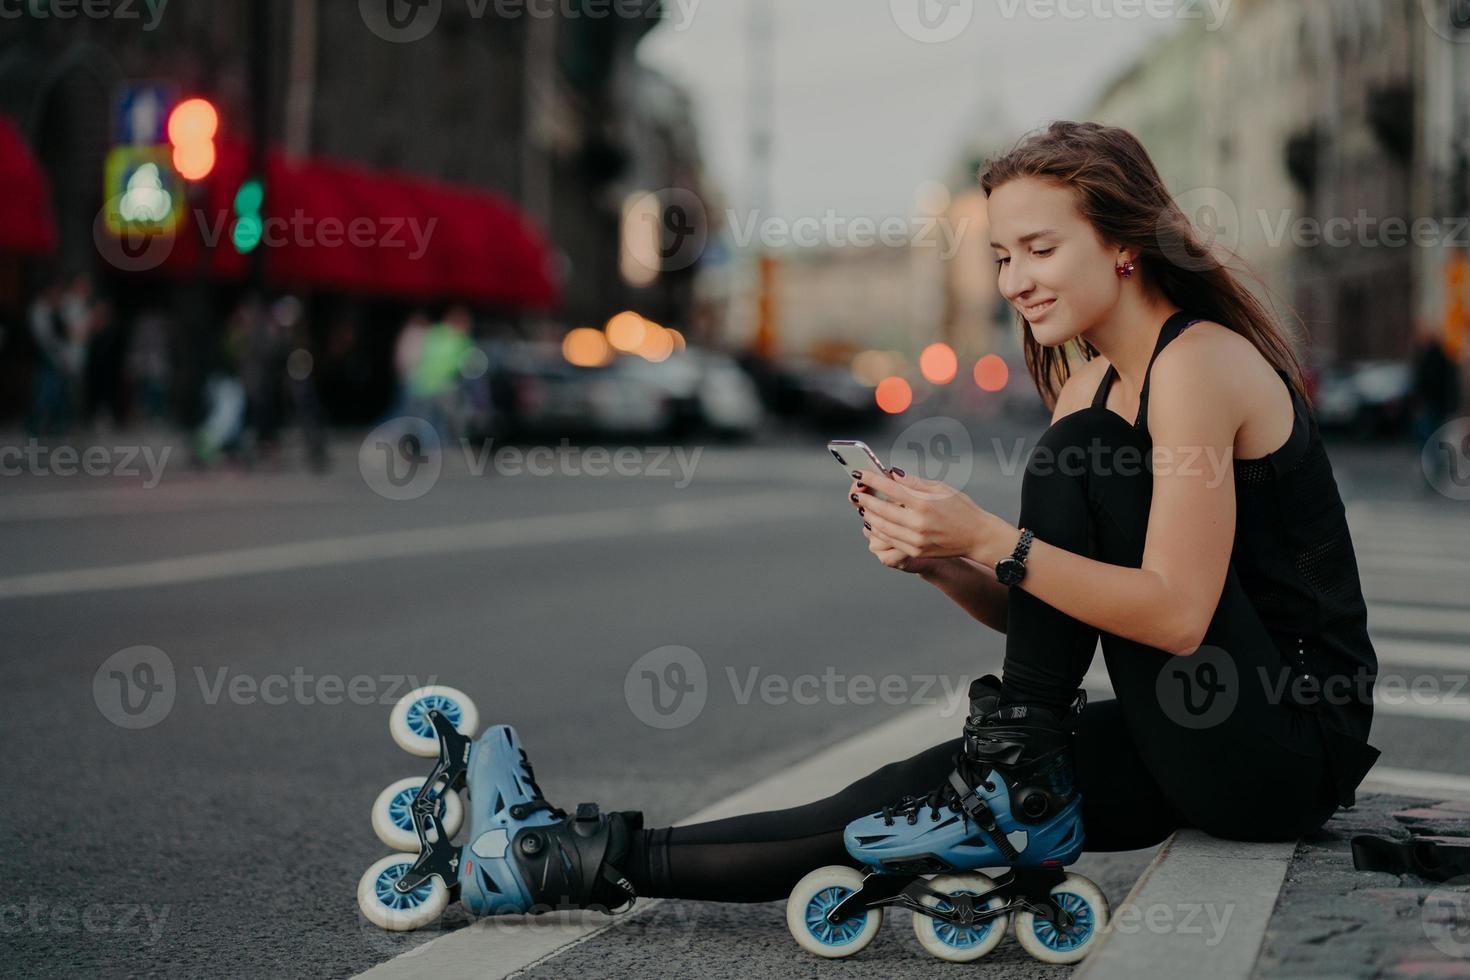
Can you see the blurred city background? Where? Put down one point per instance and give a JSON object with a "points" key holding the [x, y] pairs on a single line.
{"points": [[496, 343], [237, 219]]}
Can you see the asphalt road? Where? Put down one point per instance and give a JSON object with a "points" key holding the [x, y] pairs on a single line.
{"points": [[220, 826]]}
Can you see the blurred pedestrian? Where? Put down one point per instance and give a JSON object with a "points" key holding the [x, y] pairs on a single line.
{"points": [[49, 406], [407, 351], [434, 386], [1435, 396]]}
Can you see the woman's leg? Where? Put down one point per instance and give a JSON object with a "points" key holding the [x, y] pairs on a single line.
{"points": [[758, 857], [1236, 760]]}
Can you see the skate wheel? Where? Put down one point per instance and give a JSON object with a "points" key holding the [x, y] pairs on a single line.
{"points": [[1089, 908], [387, 909], [409, 720], [813, 897], [960, 944], [393, 819]]}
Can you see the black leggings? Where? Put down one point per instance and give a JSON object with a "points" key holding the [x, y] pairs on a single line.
{"points": [[1164, 754]]}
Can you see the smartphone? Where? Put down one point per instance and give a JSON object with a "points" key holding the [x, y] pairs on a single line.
{"points": [[853, 454]]}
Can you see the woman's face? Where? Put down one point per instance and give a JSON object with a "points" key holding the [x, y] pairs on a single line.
{"points": [[1052, 267]]}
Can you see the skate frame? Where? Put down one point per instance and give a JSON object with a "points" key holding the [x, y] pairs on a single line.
{"points": [[1025, 890], [437, 857]]}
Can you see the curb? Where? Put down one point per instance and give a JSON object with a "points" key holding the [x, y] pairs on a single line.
{"points": [[1200, 909]]}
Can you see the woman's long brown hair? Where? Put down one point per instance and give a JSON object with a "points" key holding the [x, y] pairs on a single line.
{"points": [[1120, 192]]}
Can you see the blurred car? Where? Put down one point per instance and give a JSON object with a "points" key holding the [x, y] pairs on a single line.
{"points": [[1366, 398], [704, 390]]}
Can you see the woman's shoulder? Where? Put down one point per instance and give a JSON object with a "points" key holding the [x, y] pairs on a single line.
{"points": [[1080, 386], [1211, 353]]}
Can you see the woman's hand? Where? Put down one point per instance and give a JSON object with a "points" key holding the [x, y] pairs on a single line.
{"points": [[926, 519]]}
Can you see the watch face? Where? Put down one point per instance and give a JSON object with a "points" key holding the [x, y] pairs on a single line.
{"points": [[1009, 571]]}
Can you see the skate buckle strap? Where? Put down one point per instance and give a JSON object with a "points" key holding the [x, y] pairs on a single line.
{"points": [[979, 811]]}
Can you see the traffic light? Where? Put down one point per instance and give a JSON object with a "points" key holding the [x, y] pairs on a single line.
{"points": [[191, 129], [248, 200]]}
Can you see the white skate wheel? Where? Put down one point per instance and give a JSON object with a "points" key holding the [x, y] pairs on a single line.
{"points": [[393, 819], [815, 895], [1089, 908], [389, 910], [414, 732], [960, 944]]}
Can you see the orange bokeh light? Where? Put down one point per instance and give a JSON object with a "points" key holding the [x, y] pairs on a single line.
{"points": [[585, 347], [991, 373], [194, 161], [192, 120], [893, 395], [938, 364]]}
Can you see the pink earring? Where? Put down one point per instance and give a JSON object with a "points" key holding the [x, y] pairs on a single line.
{"points": [[1125, 270]]}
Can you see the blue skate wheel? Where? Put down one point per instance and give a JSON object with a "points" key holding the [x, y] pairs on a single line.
{"points": [[385, 908], [1089, 910], [816, 895], [393, 817], [954, 943], [413, 729]]}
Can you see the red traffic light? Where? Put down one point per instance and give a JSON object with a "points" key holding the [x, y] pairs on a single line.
{"points": [[192, 126]]}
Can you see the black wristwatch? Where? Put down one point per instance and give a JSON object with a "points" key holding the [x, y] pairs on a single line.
{"points": [[1010, 571]]}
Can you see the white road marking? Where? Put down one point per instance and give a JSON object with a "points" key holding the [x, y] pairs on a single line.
{"points": [[753, 508]]}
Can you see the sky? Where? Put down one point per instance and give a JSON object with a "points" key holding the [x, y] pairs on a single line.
{"points": [[871, 101]]}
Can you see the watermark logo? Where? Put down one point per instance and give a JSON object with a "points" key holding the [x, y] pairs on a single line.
{"points": [[134, 250], [37, 459], [1199, 691], [667, 687], [134, 688], [937, 448], [143, 923], [400, 459], [1215, 221], [1445, 459], [932, 21], [1445, 917], [400, 21], [1450, 19], [90, 9], [665, 230]]}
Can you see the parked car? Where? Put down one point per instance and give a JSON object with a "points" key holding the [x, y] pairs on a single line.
{"points": [[1366, 398]]}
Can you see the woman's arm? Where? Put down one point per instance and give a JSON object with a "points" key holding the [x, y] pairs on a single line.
{"points": [[973, 587], [1167, 603]]}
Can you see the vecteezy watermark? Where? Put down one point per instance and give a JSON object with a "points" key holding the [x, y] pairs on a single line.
{"points": [[402, 459], [405, 21], [139, 921], [152, 10], [135, 687], [1198, 691], [832, 230], [1445, 459], [138, 687], [1101, 458], [936, 448], [1363, 686], [668, 688], [1182, 919], [932, 21], [1450, 19], [1445, 917], [1212, 12], [37, 459], [136, 250]]}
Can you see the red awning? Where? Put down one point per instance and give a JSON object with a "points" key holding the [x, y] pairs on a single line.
{"points": [[335, 225], [28, 225]]}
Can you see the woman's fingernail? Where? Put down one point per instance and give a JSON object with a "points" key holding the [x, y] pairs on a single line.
{"points": [[862, 486], [856, 475], [897, 471], [861, 511], [854, 497], [867, 525]]}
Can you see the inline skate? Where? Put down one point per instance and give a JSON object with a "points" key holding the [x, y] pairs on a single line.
{"points": [[1011, 802], [521, 854]]}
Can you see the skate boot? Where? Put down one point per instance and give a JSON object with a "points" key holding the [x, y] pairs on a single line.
{"points": [[521, 853], [1011, 802]]}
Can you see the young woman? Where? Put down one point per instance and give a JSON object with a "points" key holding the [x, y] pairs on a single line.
{"points": [[1181, 508]]}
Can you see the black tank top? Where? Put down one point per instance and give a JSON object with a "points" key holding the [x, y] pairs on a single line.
{"points": [[1295, 560]]}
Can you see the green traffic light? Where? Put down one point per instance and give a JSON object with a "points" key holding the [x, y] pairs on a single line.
{"points": [[248, 227], [246, 234]]}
